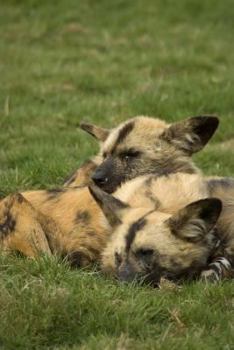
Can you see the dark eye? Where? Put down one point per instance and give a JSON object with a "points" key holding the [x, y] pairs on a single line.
{"points": [[145, 253], [130, 154], [118, 259]]}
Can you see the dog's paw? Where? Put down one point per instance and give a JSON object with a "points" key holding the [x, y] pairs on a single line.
{"points": [[209, 276]]}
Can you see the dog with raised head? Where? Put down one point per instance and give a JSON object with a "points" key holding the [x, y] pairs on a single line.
{"points": [[143, 145]]}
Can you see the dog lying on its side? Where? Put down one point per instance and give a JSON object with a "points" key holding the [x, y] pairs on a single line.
{"points": [[182, 234]]}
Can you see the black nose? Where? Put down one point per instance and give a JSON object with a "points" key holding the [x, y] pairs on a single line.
{"points": [[99, 178]]}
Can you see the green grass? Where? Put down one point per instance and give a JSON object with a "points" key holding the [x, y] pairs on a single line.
{"points": [[105, 61]]}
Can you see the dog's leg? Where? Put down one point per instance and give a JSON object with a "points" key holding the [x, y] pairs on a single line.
{"points": [[82, 176], [220, 268]]}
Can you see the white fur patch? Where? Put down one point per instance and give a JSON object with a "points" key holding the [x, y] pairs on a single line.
{"points": [[223, 261], [209, 275]]}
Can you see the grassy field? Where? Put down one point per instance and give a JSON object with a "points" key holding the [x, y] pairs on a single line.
{"points": [[105, 61]]}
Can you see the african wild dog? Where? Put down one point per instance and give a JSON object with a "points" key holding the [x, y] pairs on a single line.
{"points": [[144, 145], [67, 218], [176, 237]]}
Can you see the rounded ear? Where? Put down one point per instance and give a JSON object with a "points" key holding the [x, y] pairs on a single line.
{"points": [[192, 134], [197, 219], [97, 132], [112, 207]]}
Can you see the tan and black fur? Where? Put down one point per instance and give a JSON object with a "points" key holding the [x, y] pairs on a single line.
{"points": [[65, 222], [176, 237], [123, 156], [144, 145]]}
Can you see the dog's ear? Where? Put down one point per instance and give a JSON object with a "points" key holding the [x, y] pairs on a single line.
{"points": [[99, 133], [112, 207], [191, 134], [197, 219]]}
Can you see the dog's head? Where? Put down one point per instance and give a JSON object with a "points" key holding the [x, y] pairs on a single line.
{"points": [[144, 145], [148, 245]]}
